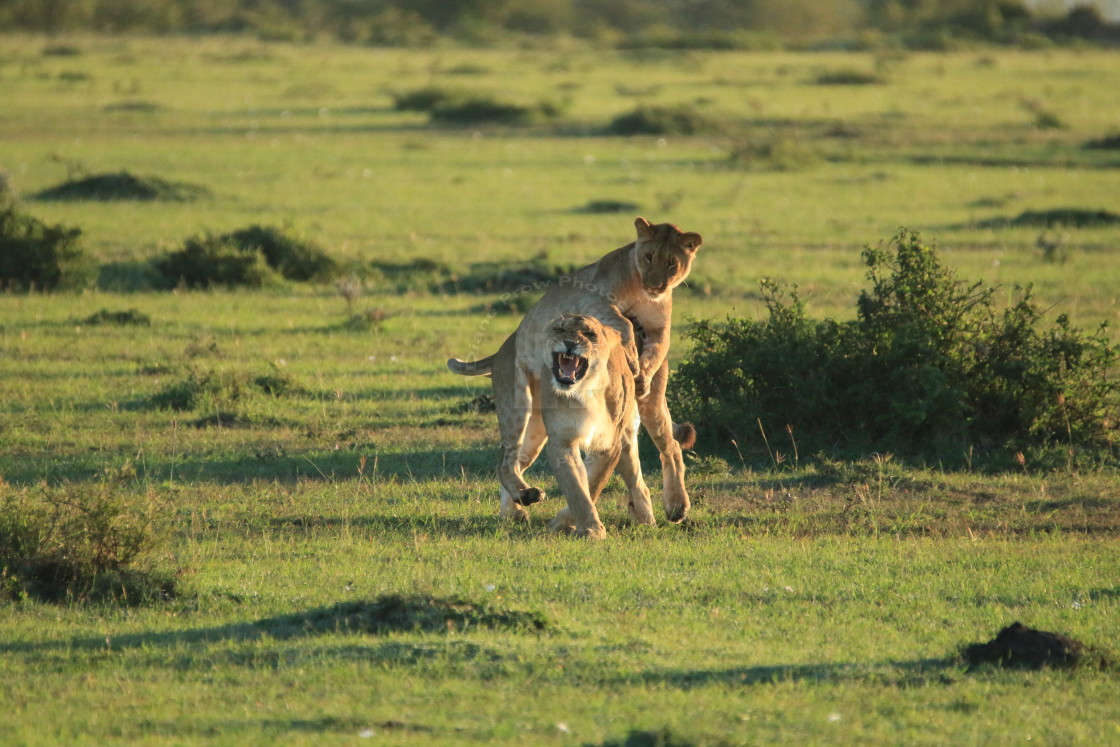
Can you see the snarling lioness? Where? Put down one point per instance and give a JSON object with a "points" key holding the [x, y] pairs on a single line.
{"points": [[629, 289], [586, 403]]}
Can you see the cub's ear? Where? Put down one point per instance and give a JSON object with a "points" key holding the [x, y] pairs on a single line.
{"points": [[691, 241], [644, 229]]}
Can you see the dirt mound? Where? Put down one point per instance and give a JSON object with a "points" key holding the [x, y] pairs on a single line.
{"points": [[1020, 647], [398, 612], [123, 186]]}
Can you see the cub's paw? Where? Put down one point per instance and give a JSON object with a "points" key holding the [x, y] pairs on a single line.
{"points": [[529, 496]]}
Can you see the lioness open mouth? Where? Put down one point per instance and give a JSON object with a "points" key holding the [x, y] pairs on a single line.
{"points": [[568, 369]]}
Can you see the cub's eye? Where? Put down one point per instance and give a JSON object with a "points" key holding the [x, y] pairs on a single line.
{"points": [[649, 257]]}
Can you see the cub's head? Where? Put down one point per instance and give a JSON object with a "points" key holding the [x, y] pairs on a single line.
{"points": [[580, 348], [664, 255]]}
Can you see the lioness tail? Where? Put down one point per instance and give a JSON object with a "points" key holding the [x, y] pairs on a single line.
{"points": [[472, 368], [685, 434]]}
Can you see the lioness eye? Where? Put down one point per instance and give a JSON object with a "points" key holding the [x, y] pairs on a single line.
{"points": [[649, 257]]}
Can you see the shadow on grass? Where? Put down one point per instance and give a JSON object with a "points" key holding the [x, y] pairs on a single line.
{"points": [[906, 673], [266, 462], [390, 613]]}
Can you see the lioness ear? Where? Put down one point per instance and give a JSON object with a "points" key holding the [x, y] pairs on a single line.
{"points": [[691, 241], [644, 229]]}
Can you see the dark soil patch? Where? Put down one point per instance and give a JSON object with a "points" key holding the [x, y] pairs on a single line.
{"points": [[128, 318], [123, 186], [1020, 647], [397, 612]]}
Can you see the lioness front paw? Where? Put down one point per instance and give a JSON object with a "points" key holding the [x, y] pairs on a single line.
{"points": [[641, 385], [529, 496]]}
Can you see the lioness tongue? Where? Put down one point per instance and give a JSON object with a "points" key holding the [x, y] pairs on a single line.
{"points": [[569, 365]]}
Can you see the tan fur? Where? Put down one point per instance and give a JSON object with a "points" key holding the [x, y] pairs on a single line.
{"points": [[630, 288], [597, 415]]}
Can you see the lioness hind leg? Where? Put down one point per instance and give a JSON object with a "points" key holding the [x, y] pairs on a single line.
{"points": [[514, 399], [659, 425], [638, 502], [511, 509], [535, 438]]}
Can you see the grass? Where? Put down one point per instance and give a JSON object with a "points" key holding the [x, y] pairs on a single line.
{"points": [[809, 601]]}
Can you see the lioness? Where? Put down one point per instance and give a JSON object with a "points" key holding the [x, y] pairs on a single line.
{"points": [[630, 288], [586, 403]]}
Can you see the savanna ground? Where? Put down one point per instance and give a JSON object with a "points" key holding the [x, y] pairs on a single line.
{"points": [[808, 600]]}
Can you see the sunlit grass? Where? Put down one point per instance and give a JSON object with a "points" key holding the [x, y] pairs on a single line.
{"points": [[808, 602]]}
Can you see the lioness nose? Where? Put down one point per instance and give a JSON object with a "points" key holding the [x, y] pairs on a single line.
{"points": [[571, 345]]}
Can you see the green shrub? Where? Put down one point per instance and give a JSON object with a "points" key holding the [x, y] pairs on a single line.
{"points": [[928, 368], [422, 99], [293, 257], [458, 108], [610, 206], [79, 543], [848, 78], [38, 256], [663, 120], [221, 390], [1068, 217], [777, 153], [257, 256], [198, 389], [131, 317], [206, 261]]}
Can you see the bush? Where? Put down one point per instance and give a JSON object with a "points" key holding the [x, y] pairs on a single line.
{"points": [[294, 258], [206, 261], [38, 256], [77, 543], [256, 256], [131, 317], [928, 368], [451, 107], [220, 391], [663, 120], [848, 78]]}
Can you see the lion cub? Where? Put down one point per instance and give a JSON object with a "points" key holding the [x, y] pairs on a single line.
{"points": [[587, 403]]}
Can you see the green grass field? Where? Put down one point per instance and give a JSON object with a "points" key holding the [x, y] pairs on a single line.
{"points": [[808, 601]]}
